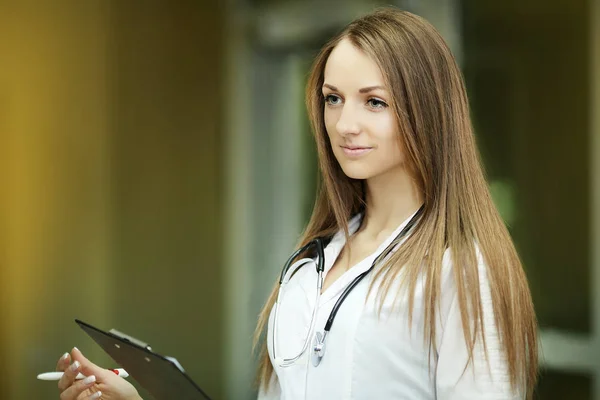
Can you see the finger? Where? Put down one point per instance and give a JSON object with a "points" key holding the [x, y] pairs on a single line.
{"points": [[69, 376], [89, 368], [95, 396], [63, 362], [72, 392]]}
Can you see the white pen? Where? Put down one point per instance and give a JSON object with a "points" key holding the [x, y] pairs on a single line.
{"points": [[55, 376]]}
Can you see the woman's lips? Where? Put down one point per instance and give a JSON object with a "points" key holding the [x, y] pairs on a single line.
{"points": [[356, 151]]}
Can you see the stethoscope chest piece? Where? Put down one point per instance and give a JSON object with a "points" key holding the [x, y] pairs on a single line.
{"points": [[318, 348]]}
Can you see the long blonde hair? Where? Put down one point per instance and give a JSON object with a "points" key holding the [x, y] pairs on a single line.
{"points": [[431, 106]]}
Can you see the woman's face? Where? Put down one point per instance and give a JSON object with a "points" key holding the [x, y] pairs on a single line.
{"points": [[361, 126]]}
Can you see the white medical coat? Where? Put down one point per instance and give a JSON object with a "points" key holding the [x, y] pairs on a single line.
{"points": [[380, 357]]}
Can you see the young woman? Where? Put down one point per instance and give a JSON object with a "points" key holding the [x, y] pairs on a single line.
{"points": [[424, 296], [406, 284]]}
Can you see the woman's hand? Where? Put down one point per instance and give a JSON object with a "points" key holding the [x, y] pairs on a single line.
{"points": [[99, 384]]}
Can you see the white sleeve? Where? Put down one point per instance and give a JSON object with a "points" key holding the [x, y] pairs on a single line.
{"points": [[274, 392], [478, 382]]}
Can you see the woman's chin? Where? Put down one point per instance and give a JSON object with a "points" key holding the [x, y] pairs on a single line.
{"points": [[355, 172]]}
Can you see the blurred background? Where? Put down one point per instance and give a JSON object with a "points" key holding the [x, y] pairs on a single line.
{"points": [[156, 169]]}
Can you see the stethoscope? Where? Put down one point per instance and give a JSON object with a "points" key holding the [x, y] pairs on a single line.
{"points": [[318, 350]]}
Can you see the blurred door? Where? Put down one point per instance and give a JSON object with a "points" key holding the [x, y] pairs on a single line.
{"points": [[532, 74]]}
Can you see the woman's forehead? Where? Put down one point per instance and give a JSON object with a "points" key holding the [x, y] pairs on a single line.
{"points": [[350, 68]]}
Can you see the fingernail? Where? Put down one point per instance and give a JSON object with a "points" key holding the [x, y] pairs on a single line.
{"points": [[96, 395], [89, 379], [75, 348], [75, 366], [65, 356]]}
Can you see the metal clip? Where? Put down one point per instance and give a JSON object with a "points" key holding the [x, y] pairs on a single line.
{"points": [[130, 339]]}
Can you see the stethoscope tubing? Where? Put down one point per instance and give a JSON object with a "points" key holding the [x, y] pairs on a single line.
{"points": [[319, 347]]}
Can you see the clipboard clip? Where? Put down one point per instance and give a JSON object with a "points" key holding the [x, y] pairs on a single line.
{"points": [[130, 339]]}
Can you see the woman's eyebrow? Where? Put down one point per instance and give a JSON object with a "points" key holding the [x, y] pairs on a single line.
{"points": [[370, 89], [362, 90]]}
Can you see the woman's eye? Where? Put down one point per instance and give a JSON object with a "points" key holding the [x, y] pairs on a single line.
{"points": [[376, 103], [332, 100]]}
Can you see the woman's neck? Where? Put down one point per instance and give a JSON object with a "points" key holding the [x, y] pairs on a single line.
{"points": [[391, 198]]}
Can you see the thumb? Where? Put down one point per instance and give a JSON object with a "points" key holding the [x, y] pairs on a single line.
{"points": [[89, 368]]}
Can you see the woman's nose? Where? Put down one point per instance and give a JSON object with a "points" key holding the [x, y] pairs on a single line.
{"points": [[348, 123]]}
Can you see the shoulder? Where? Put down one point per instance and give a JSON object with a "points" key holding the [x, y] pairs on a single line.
{"points": [[449, 268], [448, 285]]}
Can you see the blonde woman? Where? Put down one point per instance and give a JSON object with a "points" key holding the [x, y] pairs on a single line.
{"points": [[423, 294], [406, 284]]}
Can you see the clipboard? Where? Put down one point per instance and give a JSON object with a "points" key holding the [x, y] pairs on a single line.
{"points": [[163, 377]]}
